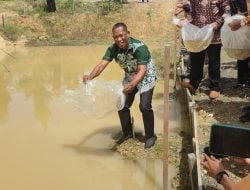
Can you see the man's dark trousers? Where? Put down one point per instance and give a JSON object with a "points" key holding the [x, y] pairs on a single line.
{"points": [[243, 71], [197, 64], [146, 110]]}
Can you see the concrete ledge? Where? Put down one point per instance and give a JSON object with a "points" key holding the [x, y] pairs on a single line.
{"points": [[193, 158]]}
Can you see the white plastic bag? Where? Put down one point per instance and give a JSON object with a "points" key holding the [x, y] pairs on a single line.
{"points": [[96, 99], [236, 43], [175, 20], [196, 39]]}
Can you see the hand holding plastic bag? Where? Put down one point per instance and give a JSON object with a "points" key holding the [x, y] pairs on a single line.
{"points": [[179, 22], [236, 43], [96, 99], [196, 39], [175, 20]]}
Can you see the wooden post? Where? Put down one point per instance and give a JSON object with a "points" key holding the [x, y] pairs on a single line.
{"points": [[176, 41], [3, 20], [175, 56], [166, 117]]}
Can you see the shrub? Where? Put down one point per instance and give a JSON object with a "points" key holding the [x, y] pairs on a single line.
{"points": [[12, 31], [158, 59], [107, 6]]}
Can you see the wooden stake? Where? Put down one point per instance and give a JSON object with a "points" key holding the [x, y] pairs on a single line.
{"points": [[3, 21], [175, 56], [166, 117]]}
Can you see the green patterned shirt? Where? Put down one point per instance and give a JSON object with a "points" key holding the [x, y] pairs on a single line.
{"points": [[136, 54]]}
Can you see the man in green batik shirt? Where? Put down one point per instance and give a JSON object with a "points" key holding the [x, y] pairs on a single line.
{"points": [[134, 58]]}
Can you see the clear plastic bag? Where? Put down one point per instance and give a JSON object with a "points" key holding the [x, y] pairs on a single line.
{"points": [[96, 99], [236, 43], [176, 20], [196, 39]]}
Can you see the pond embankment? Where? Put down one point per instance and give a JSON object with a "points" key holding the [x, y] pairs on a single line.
{"points": [[226, 110]]}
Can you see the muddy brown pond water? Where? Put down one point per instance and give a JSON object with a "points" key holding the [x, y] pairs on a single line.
{"points": [[46, 145]]}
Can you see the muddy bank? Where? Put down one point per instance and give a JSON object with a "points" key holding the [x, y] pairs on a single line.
{"points": [[6, 47], [180, 143], [92, 22]]}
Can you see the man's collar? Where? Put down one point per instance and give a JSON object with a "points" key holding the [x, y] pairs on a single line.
{"points": [[130, 45]]}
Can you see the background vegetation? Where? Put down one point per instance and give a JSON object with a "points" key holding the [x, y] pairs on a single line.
{"points": [[78, 22]]}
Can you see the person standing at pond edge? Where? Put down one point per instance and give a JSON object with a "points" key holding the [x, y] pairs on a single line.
{"points": [[240, 7], [235, 25], [134, 58], [202, 13]]}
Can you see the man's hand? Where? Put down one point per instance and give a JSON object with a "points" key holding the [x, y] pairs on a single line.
{"points": [[85, 78], [128, 88], [211, 165], [215, 25], [135, 79], [245, 161], [235, 24], [247, 20], [96, 71], [178, 9]]}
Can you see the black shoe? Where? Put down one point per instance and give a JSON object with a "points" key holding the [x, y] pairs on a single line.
{"points": [[246, 109], [124, 138], [150, 142], [245, 117]]}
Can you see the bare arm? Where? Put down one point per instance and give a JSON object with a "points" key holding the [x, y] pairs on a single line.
{"points": [[213, 167], [243, 184], [142, 69], [178, 9], [96, 71], [227, 183], [225, 9]]}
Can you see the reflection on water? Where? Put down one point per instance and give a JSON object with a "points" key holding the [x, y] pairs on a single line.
{"points": [[4, 99], [46, 145]]}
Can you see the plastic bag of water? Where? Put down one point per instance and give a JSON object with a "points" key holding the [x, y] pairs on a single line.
{"points": [[236, 43], [96, 99], [196, 39]]}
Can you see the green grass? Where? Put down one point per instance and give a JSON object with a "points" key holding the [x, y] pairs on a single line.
{"points": [[12, 31], [158, 58]]}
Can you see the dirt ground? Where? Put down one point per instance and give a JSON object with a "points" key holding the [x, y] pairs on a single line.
{"points": [[226, 109], [179, 147]]}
